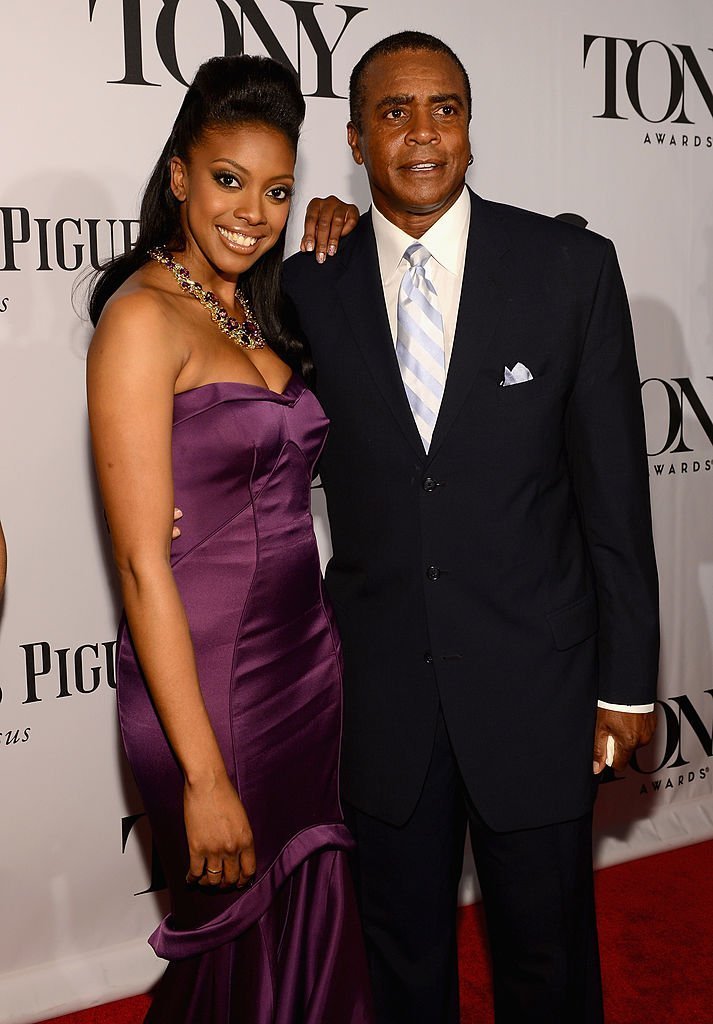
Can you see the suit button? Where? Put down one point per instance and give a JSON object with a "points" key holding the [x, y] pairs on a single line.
{"points": [[429, 484], [428, 658], [433, 572]]}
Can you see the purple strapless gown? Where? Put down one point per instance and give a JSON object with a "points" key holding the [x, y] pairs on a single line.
{"points": [[289, 949]]}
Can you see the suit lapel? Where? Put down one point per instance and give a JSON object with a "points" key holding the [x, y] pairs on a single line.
{"points": [[362, 296], [483, 296]]}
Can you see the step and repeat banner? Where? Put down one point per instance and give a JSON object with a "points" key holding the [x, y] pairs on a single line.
{"points": [[602, 113]]}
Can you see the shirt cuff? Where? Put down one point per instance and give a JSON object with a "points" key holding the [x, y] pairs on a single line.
{"points": [[633, 709]]}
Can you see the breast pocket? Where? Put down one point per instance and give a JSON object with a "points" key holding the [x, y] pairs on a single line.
{"points": [[527, 391]]}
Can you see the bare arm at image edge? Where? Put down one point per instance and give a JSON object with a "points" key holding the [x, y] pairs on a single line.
{"points": [[3, 560]]}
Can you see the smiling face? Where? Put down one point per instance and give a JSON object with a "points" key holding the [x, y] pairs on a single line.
{"points": [[235, 190], [413, 139]]}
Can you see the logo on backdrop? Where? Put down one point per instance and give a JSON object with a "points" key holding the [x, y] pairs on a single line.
{"points": [[50, 674], [679, 422], [11, 737], [684, 736], [68, 243], [241, 25], [65, 672], [666, 84], [687, 733]]}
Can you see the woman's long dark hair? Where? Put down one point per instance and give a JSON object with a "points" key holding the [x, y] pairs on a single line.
{"points": [[227, 92]]}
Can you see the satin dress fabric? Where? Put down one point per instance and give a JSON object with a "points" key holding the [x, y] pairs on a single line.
{"points": [[287, 950]]}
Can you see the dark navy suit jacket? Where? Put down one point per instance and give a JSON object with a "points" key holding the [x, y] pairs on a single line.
{"points": [[509, 573]]}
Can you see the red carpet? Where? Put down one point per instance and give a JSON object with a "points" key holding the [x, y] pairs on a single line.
{"points": [[656, 937]]}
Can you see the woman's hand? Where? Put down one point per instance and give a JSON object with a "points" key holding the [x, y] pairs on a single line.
{"points": [[220, 840], [326, 221]]}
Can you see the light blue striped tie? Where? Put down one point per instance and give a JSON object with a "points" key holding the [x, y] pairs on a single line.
{"points": [[419, 342]]}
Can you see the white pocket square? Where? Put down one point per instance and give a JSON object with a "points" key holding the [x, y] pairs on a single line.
{"points": [[518, 375]]}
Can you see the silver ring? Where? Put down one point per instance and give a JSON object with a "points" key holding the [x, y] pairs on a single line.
{"points": [[212, 871]]}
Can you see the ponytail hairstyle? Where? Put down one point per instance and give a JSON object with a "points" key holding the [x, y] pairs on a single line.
{"points": [[227, 92]]}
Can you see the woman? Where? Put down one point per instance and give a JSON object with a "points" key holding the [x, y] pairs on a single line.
{"points": [[3, 560], [228, 660]]}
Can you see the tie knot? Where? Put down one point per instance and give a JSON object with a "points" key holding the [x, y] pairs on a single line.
{"points": [[417, 255]]}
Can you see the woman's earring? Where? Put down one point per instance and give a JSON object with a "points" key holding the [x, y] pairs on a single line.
{"points": [[470, 159]]}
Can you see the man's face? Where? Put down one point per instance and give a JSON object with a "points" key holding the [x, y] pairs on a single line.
{"points": [[414, 136]]}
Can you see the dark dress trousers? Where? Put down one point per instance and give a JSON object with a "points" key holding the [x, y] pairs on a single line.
{"points": [[488, 592]]}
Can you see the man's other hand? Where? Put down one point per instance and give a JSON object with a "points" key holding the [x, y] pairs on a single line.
{"points": [[629, 730]]}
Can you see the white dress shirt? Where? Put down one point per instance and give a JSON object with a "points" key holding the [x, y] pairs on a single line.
{"points": [[446, 241]]}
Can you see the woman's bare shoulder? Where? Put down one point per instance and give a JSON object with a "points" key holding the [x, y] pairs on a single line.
{"points": [[140, 325], [140, 302], [142, 311]]}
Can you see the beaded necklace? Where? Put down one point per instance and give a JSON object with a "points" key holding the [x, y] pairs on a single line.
{"points": [[246, 334]]}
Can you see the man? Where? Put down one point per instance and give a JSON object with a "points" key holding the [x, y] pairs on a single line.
{"points": [[493, 572]]}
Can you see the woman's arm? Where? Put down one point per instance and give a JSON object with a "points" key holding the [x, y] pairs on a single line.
{"points": [[131, 374], [3, 560]]}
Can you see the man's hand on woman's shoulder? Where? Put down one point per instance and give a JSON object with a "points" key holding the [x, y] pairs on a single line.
{"points": [[326, 222]]}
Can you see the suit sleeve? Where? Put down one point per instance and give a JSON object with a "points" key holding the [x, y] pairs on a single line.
{"points": [[290, 280], [607, 453]]}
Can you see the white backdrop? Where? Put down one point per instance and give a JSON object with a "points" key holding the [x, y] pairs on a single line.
{"points": [[90, 90]]}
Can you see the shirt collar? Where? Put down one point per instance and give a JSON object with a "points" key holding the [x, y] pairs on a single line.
{"points": [[445, 240]]}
